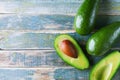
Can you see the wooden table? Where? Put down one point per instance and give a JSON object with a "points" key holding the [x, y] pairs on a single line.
{"points": [[27, 32]]}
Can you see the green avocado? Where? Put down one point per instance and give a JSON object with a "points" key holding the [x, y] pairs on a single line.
{"points": [[80, 61], [85, 18], [100, 42], [106, 68]]}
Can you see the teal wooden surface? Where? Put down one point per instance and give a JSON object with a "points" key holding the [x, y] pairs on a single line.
{"points": [[69, 7], [47, 22], [47, 74], [27, 32], [30, 59], [44, 74], [29, 40], [36, 59]]}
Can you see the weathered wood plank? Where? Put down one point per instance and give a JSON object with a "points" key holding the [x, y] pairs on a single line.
{"points": [[69, 7], [29, 40], [30, 58], [47, 22], [31, 30], [36, 59], [43, 74], [35, 22], [47, 74]]}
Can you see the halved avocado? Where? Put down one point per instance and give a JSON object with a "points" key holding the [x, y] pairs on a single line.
{"points": [[79, 62], [106, 68]]}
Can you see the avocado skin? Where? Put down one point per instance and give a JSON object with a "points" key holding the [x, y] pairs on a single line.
{"points": [[100, 42], [117, 53], [86, 61], [85, 18]]}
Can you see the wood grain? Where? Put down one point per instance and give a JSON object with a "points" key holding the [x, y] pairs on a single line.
{"points": [[28, 40], [69, 7], [47, 74], [44, 74], [40, 65], [27, 32], [37, 59], [47, 23], [30, 59]]}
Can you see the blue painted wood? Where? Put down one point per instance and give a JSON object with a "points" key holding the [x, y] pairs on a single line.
{"points": [[47, 22], [21, 40], [30, 59], [36, 22], [44, 65], [47, 74], [72, 74], [69, 7], [36, 59], [44, 74]]}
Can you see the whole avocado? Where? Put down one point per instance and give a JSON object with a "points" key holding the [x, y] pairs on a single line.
{"points": [[100, 42], [85, 18]]}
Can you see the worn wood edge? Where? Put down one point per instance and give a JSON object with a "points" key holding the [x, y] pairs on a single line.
{"points": [[49, 14], [28, 40], [44, 74], [47, 23], [47, 74], [37, 50], [36, 68], [38, 31], [26, 7], [68, 14], [31, 59]]}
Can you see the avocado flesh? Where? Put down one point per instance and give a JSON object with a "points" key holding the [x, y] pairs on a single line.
{"points": [[106, 68], [81, 62]]}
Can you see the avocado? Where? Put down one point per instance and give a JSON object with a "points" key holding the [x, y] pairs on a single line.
{"points": [[69, 50], [85, 18], [100, 42], [106, 68]]}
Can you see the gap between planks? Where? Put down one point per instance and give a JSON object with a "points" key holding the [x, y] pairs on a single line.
{"points": [[27, 68], [38, 31], [68, 14], [37, 50], [22, 59]]}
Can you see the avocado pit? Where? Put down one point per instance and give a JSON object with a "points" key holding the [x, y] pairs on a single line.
{"points": [[67, 47]]}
